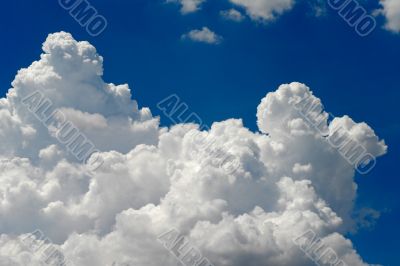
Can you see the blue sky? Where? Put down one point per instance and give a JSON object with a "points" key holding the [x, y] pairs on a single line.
{"points": [[142, 46]]}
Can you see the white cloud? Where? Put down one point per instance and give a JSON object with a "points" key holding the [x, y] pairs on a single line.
{"points": [[391, 10], [318, 7], [204, 35], [259, 10], [264, 10], [153, 179], [232, 14], [188, 6]]}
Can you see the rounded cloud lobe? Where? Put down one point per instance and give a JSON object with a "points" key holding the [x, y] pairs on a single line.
{"points": [[264, 10], [391, 10], [288, 180]]}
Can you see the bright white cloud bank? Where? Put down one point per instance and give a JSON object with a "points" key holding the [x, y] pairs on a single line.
{"points": [[288, 181]]}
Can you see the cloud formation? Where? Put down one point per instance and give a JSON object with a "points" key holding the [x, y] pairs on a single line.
{"points": [[391, 10], [205, 35], [232, 14], [188, 6], [258, 10], [264, 10], [153, 179]]}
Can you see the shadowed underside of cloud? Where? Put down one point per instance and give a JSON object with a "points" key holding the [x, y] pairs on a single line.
{"points": [[288, 181]]}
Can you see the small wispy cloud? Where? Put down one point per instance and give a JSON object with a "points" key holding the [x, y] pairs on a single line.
{"points": [[205, 35], [232, 14], [188, 6], [264, 10], [390, 9]]}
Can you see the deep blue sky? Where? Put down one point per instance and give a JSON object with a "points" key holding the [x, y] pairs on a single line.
{"points": [[141, 46]]}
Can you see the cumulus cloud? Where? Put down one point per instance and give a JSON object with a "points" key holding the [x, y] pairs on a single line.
{"points": [[318, 7], [188, 6], [232, 14], [289, 179], [204, 35], [264, 10], [259, 10], [391, 10]]}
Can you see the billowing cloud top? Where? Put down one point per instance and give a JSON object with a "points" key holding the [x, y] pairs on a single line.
{"points": [[288, 179]]}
